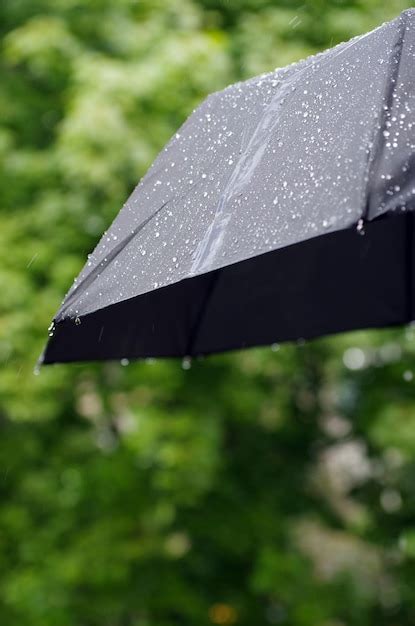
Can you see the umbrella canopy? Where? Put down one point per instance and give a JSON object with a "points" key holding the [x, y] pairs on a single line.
{"points": [[281, 209]]}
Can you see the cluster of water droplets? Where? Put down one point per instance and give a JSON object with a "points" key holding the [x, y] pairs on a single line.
{"points": [[318, 146]]}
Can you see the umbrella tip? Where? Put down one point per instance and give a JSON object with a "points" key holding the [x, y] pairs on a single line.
{"points": [[41, 359], [39, 363]]}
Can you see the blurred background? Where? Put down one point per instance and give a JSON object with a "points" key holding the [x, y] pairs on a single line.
{"points": [[271, 486]]}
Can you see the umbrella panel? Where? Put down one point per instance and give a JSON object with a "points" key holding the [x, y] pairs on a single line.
{"points": [[335, 282]]}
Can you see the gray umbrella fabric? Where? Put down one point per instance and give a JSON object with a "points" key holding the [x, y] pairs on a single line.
{"points": [[281, 209]]}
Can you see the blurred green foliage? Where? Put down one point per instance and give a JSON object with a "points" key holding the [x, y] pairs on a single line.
{"points": [[272, 486]]}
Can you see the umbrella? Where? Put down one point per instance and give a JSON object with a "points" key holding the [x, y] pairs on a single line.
{"points": [[281, 209]]}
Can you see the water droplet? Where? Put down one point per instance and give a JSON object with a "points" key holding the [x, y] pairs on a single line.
{"points": [[124, 362], [77, 320], [360, 227]]}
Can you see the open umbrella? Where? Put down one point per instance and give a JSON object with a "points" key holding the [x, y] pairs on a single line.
{"points": [[281, 209]]}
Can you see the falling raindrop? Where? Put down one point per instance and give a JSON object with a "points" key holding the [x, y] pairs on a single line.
{"points": [[187, 363]]}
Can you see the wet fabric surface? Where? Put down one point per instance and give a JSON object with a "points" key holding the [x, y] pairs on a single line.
{"points": [[222, 233]]}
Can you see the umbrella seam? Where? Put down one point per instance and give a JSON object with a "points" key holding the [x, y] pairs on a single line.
{"points": [[211, 241]]}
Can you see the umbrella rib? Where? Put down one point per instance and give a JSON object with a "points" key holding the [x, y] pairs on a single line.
{"points": [[113, 254], [201, 315], [377, 138], [104, 264], [409, 264]]}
